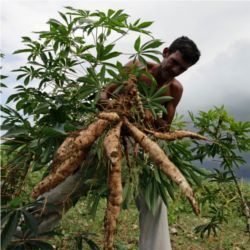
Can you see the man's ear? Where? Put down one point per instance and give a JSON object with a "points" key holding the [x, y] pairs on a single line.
{"points": [[165, 52]]}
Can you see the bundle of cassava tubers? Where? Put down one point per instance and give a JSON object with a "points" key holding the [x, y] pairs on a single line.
{"points": [[74, 149]]}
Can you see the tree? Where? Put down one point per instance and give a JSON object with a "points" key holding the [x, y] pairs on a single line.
{"points": [[59, 88]]}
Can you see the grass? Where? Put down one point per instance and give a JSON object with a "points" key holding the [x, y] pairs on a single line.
{"points": [[231, 236]]}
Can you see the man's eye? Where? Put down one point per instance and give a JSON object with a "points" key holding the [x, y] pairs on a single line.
{"points": [[174, 61]]}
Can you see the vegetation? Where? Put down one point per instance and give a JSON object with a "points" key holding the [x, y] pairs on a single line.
{"points": [[57, 95], [182, 221]]}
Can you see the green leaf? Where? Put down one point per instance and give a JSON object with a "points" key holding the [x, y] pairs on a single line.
{"points": [[144, 25], [42, 109], [16, 202], [142, 60], [110, 12], [148, 191], [63, 16], [41, 245], [20, 76], [27, 80], [3, 77], [16, 131], [91, 244], [151, 44], [31, 221], [156, 175], [127, 195], [137, 44], [9, 229], [162, 90], [108, 48], [111, 55], [89, 58], [53, 132], [163, 194], [162, 99], [154, 58], [94, 205], [12, 97], [22, 51], [154, 196]]}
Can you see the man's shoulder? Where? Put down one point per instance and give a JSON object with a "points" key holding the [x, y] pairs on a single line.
{"points": [[176, 87]]}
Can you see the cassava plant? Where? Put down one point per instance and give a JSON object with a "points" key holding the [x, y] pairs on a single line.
{"points": [[230, 140]]}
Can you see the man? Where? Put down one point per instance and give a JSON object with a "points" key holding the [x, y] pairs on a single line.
{"points": [[181, 55]]}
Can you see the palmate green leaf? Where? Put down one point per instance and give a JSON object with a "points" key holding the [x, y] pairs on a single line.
{"points": [[9, 228]]}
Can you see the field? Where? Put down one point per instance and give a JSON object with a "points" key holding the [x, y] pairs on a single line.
{"points": [[232, 234]]}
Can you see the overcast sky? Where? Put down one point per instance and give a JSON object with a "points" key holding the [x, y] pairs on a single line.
{"points": [[221, 29]]}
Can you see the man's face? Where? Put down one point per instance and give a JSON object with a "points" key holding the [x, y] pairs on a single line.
{"points": [[172, 65]]}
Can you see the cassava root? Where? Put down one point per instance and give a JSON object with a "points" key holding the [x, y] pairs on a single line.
{"points": [[179, 134], [113, 150], [163, 162], [70, 156]]}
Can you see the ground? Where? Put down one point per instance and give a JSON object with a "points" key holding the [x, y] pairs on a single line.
{"points": [[182, 222]]}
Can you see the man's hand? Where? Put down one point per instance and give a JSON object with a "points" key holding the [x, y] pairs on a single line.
{"points": [[161, 125], [148, 115], [104, 104]]}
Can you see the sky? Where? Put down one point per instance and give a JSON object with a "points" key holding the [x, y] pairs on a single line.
{"points": [[221, 30]]}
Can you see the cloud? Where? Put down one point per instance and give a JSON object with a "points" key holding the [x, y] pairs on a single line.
{"points": [[222, 81], [220, 29]]}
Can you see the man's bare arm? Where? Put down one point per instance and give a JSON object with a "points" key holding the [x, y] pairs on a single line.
{"points": [[176, 93], [105, 94]]}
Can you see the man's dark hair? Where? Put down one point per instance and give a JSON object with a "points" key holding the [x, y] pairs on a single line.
{"points": [[190, 52]]}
